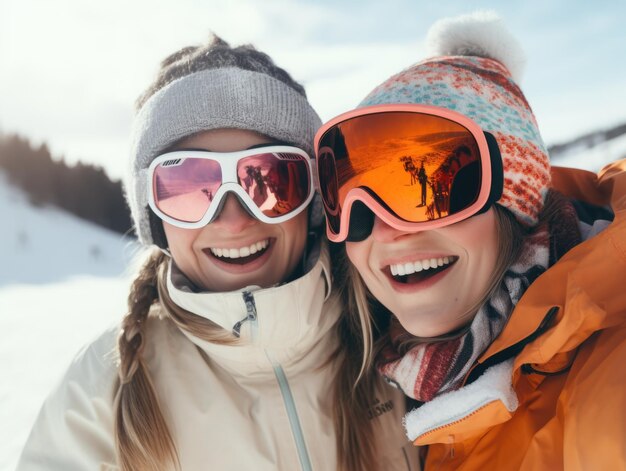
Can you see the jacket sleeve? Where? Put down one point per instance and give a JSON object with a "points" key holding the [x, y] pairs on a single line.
{"points": [[74, 428], [595, 411]]}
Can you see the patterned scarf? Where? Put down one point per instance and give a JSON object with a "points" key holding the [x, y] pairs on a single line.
{"points": [[429, 369]]}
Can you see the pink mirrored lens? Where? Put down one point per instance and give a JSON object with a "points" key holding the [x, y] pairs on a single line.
{"points": [[278, 183], [184, 188]]}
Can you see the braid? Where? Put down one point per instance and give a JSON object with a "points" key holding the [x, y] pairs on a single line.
{"points": [[142, 437]]}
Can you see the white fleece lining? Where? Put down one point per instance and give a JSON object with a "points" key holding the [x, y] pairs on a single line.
{"points": [[493, 385]]}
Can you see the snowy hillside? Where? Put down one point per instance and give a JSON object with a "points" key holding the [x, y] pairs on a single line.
{"points": [[62, 282], [40, 245]]}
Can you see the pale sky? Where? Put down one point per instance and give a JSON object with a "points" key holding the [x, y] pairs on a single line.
{"points": [[70, 70]]}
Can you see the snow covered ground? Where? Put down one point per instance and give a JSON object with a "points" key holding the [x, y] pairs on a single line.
{"points": [[63, 281]]}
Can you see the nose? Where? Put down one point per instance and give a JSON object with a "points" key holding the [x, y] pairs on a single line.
{"points": [[383, 232], [233, 217]]}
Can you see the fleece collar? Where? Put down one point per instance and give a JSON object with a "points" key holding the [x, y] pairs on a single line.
{"points": [[289, 320], [493, 388]]}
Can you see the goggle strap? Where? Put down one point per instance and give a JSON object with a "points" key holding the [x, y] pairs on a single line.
{"points": [[361, 222], [156, 229], [497, 172]]}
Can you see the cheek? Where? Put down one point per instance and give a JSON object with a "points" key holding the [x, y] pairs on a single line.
{"points": [[482, 246], [295, 234], [358, 253], [180, 241]]}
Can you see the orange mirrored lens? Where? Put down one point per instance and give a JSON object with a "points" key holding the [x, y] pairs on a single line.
{"points": [[422, 167]]}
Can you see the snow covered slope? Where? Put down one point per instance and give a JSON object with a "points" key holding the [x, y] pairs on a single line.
{"points": [[62, 282], [45, 244]]}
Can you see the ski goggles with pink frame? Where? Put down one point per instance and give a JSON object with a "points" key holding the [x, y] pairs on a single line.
{"points": [[416, 167], [188, 188]]}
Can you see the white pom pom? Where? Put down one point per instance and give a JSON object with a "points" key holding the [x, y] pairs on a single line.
{"points": [[480, 34]]}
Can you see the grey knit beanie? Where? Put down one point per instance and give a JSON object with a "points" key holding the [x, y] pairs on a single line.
{"points": [[213, 87]]}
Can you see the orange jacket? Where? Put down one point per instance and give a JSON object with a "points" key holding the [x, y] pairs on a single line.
{"points": [[566, 344]]}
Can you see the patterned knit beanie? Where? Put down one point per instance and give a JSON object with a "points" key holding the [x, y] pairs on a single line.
{"points": [[208, 87], [473, 70]]}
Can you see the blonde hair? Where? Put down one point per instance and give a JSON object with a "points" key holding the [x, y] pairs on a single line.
{"points": [[355, 385], [142, 438]]}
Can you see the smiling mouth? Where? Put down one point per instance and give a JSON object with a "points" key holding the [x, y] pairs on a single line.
{"points": [[421, 270], [241, 255]]}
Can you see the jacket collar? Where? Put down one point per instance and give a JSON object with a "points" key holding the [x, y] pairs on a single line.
{"points": [[560, 303], [289, 320], [558, 312]]}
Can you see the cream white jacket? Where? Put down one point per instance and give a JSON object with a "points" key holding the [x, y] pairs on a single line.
{"points": [[263, 405]]}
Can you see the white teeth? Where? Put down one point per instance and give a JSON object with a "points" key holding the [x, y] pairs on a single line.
{"points": [[242, 251], [401, 269]]}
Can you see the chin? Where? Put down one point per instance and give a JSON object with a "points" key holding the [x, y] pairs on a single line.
{"points": [[422, 325]]}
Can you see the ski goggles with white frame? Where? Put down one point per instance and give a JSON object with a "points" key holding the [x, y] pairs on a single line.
{"points": [[188, 188]]}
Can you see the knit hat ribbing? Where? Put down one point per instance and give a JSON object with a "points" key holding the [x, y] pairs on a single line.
{"points": [[255, 97], [470, 73]]}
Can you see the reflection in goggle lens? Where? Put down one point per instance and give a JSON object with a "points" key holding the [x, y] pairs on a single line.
{"points": [[421, 167], [184, 188]]}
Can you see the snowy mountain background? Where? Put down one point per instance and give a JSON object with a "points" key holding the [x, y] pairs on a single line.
{"points": [[591, 151], [64, 280]]}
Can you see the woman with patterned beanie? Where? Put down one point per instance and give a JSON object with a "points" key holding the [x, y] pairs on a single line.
{"points": [[496, 302]]}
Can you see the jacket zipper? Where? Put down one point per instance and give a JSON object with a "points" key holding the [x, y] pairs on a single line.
{"points": [[283, 383], [292, 413], [248, 299]]}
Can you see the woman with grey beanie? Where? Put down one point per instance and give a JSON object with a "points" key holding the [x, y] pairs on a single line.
{"points": [[230, 354]]}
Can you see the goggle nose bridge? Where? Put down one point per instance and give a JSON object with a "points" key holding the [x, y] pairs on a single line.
{"points": [[222, 202]]}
